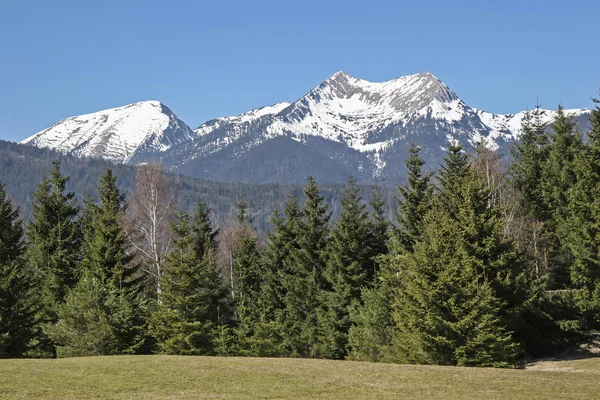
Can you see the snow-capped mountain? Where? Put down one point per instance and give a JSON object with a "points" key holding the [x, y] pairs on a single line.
{"points": [[347, 125], [344, 126], [116, 134]]}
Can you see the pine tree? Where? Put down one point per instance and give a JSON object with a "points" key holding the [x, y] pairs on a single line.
{"points": [[350, 267], [193, 304], [304, 280], [18, 308]]}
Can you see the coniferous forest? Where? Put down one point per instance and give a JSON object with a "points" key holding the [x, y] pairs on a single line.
{"points": [[481, 265]]}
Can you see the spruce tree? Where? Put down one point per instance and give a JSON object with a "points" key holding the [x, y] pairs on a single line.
{"points": [[54, 247], [414, 201], [304, 278], [380, 227], [529, 157], [350, 267], [446, 310], [18, 300], [582, 230], [281, 241], [110, 276], [558, 179], [54, 237], [373, 326], [193, 304], [464, 289], [452, 175]]}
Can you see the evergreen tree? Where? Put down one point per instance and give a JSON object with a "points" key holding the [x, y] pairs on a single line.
{"points": [[350, 267], [53, 235], [18, 308], [281, 242], [193, 304], [452, 175], [414, 201], [54, 247], [465, 288], [446, 311], [371, 335], [304, 278], [529, 157], [380, 227], [558, 179], [582, 230], [111, 279]]}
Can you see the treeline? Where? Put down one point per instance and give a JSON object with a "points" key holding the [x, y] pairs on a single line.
{"points": [[478, 267]]}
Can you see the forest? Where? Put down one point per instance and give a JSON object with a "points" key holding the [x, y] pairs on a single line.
{"points": [[479, 266]]}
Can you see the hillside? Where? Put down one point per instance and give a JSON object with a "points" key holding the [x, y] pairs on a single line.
{"points": [[22, 166], [162, 377]]}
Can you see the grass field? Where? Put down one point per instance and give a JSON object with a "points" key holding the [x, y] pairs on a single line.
{"points": [[166, 377]]}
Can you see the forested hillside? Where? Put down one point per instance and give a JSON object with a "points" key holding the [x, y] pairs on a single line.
{"points": [[22, 167]]}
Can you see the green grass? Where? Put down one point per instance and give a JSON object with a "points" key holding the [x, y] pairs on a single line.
{"points": [[166, 377]]}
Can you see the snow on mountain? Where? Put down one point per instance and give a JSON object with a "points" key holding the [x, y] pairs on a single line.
{"points": [[348, 109], [344, 126], [508, 126], [116, 134], [246, 117]]}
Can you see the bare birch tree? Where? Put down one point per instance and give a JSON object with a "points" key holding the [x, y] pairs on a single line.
{"points": [[151, 211]]}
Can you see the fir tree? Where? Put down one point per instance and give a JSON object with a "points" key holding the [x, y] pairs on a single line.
{"points": [[18, 308]]}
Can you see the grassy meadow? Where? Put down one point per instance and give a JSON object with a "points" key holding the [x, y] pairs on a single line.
{"points": [[168, 377]]}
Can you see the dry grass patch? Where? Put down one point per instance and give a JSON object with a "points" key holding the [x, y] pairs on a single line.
{"points": [[166, 377]]}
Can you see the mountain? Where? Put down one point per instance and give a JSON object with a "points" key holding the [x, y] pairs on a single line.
{"points": [[118, 134], [344, 126]]}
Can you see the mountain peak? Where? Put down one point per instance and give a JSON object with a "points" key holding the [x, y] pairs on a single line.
{"points": [[116, 134]]}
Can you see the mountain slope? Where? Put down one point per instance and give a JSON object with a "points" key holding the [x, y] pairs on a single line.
{"points": [[116, 134], [348, 126], [344, 126]]}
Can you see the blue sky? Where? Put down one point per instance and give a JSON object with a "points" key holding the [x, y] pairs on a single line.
{"points": [[206, 59]]}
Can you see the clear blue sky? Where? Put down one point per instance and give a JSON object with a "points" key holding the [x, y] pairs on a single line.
{"points": [[206, 59]]}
